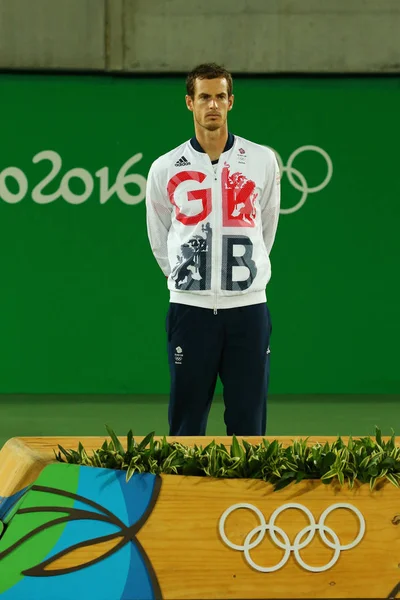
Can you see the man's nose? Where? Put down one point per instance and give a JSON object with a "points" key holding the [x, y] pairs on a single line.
{"points": [[213, 103]]}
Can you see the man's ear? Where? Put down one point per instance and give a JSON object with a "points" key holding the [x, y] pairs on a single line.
{"points": [[231, 101], [189, 103]]}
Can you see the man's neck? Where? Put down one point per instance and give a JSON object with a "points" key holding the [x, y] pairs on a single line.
{"points": [[212, 142]]}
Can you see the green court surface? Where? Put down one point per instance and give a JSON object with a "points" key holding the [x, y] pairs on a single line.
{"points": [[296, 415]]}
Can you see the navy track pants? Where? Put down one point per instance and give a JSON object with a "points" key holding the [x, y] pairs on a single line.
{"points": [[234, 344]]}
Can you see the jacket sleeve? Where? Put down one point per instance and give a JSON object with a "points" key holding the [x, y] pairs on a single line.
{"points": [[270, 202], [158, 217]]}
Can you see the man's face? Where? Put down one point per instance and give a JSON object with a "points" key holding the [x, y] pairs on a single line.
{"points": [[211, 103]]}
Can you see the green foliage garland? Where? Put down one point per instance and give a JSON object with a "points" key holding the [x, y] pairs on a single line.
{"points": [[361, 460]]}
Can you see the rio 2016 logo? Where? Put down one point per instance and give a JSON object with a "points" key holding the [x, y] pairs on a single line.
{"points": [[12, 194], [64, 191]]}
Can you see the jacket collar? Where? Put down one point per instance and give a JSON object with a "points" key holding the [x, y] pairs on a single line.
{"points": [[229, 143]]}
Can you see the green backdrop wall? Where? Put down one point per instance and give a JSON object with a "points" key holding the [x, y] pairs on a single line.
{"points": [[83, 303]]}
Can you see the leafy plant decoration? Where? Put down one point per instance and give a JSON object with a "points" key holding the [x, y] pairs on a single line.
{"points": [[363, 460]]}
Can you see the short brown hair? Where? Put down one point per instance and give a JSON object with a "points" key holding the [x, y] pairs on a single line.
{"points": [[207, 71]]}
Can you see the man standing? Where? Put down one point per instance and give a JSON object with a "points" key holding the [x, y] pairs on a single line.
{"points": [[212, 213]]}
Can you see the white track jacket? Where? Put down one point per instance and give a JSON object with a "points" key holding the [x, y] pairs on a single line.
{"points": [[211, 226]]}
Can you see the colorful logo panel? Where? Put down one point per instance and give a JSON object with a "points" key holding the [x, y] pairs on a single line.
{"points": [[73, 535]]}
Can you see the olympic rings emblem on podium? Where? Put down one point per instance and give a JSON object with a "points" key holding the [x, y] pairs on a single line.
{"points": [[303, 538]]}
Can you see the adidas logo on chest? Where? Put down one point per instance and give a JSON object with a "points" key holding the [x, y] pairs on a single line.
{"points": [[182, 162]]}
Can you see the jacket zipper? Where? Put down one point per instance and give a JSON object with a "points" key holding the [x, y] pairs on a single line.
{"points": [[215, 236]]}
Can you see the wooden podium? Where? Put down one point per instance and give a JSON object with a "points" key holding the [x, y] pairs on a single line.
{"points": [[83, 532]]}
